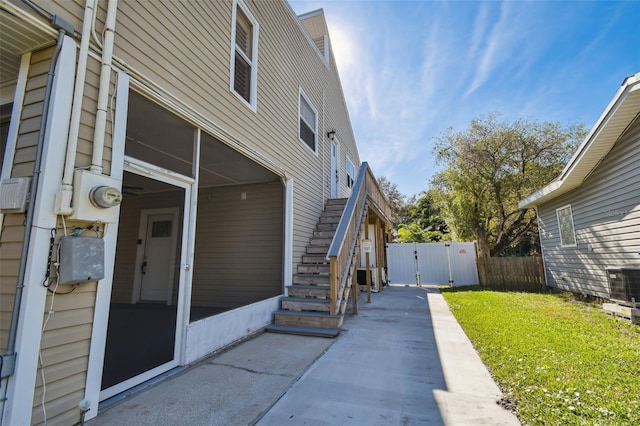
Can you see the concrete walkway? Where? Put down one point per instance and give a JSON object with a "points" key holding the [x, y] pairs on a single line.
{"points": [[403, 360]]}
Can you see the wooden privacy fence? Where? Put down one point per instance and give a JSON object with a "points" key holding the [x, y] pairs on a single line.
{"points": [[512, 273]]}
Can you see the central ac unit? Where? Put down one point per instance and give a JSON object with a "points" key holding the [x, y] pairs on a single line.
{"points": [[624, 285]]}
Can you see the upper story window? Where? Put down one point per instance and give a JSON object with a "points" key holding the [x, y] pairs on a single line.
{"points": [[565, 226], [244, 55], [308, 122], [351, 173]]}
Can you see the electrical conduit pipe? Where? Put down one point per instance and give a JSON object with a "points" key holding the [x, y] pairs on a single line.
{"points": [[63, 198], [103, 93]]}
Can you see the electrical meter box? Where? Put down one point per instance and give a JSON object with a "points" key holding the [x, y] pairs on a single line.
{"points": [[81, 260]]}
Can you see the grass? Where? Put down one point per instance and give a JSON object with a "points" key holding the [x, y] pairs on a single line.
{"points": [[560, 362]]}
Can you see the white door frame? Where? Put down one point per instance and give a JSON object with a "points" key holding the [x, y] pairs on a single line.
{"points": [[335, 169], [142, 236], [190, 190]]}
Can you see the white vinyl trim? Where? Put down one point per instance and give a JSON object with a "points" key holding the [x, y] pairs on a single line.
{"points": [[21, 386], [303, 95], [14, 123], [288, 234], [103, 292], [253, 97]]}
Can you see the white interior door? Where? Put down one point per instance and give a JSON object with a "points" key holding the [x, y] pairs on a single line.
{"points": [[159, 257], [335, 176]]}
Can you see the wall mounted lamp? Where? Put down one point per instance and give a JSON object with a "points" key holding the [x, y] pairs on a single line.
{"points": [[332, 134]]}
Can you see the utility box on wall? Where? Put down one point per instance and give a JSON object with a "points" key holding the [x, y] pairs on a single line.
{"points": [[85, 183], [81, 260]]}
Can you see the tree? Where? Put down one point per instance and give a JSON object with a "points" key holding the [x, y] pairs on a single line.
{"points": [[398, 201], [425, 223], [492, 165]]}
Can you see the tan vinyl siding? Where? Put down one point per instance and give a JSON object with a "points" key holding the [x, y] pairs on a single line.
{"points": [[12, 234], [10, 248], [64, 348], [606, 216], [238, 252]]}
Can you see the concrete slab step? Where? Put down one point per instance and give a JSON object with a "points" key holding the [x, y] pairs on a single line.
{"points": [[303, 331]]}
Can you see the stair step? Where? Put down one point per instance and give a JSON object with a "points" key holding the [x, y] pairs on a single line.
{"points": [[336, 201], [308, 291], [308, 319], [314, 269], [317, 279], [320, 241], [334, 207], [314, 258], [318, 250], [324, 234], [332, 213], [303, 331], [329, 219], [302, 304], [327, 226]]}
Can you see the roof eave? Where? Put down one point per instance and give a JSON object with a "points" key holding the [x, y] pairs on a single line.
{"points": [[580, 165]]}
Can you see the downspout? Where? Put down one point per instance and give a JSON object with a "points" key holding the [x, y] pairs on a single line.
{"points": [[8, 359], [63, 199], [105, 82]]}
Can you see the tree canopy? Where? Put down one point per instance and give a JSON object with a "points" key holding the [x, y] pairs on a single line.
{"points": [[398, 201], [424, 222], [488, 168]]}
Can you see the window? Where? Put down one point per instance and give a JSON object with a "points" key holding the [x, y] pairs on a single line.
{"points": [[565, 226], [351, 173], [308, 129], [244, 55]]}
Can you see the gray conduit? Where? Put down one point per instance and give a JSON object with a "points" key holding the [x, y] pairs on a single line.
{"points": [[10, 354]]}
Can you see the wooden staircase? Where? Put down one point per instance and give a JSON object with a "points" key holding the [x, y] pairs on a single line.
{"points": [[306, 309]]}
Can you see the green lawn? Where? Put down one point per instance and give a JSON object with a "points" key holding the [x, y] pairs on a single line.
{"points": [[561, 362]]}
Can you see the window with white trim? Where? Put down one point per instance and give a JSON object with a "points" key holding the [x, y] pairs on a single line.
{"points": [[308, 122], [244, 64], [565, 226], [351, 173]]}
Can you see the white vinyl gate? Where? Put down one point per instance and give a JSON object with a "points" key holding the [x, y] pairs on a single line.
{"points": [[433, 263]]}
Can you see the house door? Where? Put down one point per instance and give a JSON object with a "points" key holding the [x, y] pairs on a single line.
{"points": [[335, 176], [157, 255]]}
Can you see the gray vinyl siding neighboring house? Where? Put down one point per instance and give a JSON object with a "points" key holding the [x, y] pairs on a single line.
{"points": [[601, 188]]}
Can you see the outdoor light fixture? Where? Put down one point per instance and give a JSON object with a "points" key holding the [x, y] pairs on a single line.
{"points": [[332, 134]]}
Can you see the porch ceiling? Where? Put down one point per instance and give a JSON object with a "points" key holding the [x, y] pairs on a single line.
{"points": [[19, 33]]}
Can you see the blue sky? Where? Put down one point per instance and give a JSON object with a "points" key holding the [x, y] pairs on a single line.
{"points": [[411, 69]]}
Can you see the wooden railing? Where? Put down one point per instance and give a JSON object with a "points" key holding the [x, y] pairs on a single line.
{"points": [[366, 193]]}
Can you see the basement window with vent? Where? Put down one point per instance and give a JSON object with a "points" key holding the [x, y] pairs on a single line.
{"points": [[308, 122], [244, 54]]}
